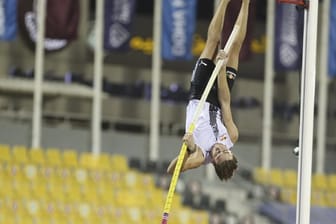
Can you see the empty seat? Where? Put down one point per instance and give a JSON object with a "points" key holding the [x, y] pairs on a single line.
{"points": [[115, 180], [5, 154], [7, 219], [91, 161], [134, 214], [155, 198], [319, 182], [21, 189], [100, 213], [290, 178], [14, 208], [6, 189], [106, 196], [150, 214], [132, 180], [130, 198], [40, 191], [332, 182], [260, 175], [105, 161], [33, 207], [36, 156], [53, 157], [72, 191], [20, 154], [147, 182], [276, 177], [119, 163], [15, 172], [67, 212], [81, 177], [119, 215], [70, 158], [91, 196], [31, 173], [97, 180], [83, 213], [50, 209], [88, 160], [56, 193]]}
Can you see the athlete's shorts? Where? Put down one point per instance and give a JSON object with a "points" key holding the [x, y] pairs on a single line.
{"points": [[209, 128]]}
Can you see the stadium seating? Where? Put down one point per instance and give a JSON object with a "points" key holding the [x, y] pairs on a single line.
{"points": [[5, 156], [323, 192], [290, 178], [332, 182], [276, 177], [36, 156], [20, 154], [64, 186], [261, 175], [319, 182]]}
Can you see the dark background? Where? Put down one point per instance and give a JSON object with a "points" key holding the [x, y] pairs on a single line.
{"points": [[253, 67]]}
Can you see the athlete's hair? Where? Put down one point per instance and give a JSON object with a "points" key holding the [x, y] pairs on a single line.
{"points": [[225, 169]]}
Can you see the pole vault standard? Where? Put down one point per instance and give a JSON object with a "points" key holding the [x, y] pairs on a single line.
{"points": [[308, 77]]}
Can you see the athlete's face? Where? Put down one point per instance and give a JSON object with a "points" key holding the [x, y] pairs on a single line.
{"points": [[220, 153]]}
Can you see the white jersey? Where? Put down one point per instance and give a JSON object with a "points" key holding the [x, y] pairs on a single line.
{"points": [[209, 128]]}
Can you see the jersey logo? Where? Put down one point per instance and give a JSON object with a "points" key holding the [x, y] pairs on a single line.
{"points": [[231, 75], [222, 138], [203, 63]]}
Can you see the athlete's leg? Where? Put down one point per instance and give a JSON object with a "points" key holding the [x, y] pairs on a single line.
{"points": [[215, 31], [226, 79], [238, 41]]}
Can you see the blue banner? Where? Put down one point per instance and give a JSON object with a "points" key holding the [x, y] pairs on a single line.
{"points": [[117, 24], [7, 19], [288, 38], [178, 25], [332, 39]]}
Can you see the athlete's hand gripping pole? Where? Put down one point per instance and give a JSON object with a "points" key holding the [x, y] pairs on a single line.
{"points": [[199, 108]]}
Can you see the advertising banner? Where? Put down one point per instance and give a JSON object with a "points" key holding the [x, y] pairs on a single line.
{"points": [[178, 26]]}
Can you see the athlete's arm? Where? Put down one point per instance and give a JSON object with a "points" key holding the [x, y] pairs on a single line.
{"points": [[215, 30], [194, 156], [224, 98], [233, 61]]}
